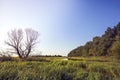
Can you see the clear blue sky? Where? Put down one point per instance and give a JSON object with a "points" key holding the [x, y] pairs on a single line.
{"points": [[63, 24]]}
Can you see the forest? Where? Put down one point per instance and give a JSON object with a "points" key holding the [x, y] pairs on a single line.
{"points": [[106, 45]]}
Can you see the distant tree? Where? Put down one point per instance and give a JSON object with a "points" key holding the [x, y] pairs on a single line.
{"points": [[100, 45], [21, 42], [76, 52], [117, 28], [115, 48]]}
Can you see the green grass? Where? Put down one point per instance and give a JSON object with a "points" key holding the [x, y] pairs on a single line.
{"points": [[59, 69], [95, 59]]}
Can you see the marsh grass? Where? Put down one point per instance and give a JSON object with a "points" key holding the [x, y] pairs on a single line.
{"points": [[59, 69]]}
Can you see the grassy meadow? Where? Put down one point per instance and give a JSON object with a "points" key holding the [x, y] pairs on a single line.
{"points": [[57, 68]]}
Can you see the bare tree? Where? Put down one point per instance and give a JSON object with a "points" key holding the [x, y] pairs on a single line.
{"points": [[22, 45]]}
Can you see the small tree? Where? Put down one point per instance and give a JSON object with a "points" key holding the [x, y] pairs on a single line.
{"points": [[21, 42]]}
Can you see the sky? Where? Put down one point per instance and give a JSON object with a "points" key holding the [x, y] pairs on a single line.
{"points": [[63, 24]]}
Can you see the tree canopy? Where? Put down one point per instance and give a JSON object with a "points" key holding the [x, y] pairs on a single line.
{"points": [[107, 44]]}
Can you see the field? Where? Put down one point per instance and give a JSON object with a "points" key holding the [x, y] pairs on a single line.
{"points": [[58, 68]]}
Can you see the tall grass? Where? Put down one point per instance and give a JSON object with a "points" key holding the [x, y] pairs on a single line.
{"points": [[59, 70]]}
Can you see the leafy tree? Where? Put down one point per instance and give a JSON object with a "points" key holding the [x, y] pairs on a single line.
{"points": [[107, 44], [76, 52], [115, 48]]}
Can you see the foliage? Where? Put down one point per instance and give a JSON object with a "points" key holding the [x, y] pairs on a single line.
{"points": [[115, 48], [99, 46]]}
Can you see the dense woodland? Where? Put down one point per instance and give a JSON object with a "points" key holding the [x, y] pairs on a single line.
{"points": [[106, 45]]}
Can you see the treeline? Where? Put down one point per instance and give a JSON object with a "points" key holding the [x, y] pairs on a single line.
{"points": [[47, 56], [106, 45]]}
